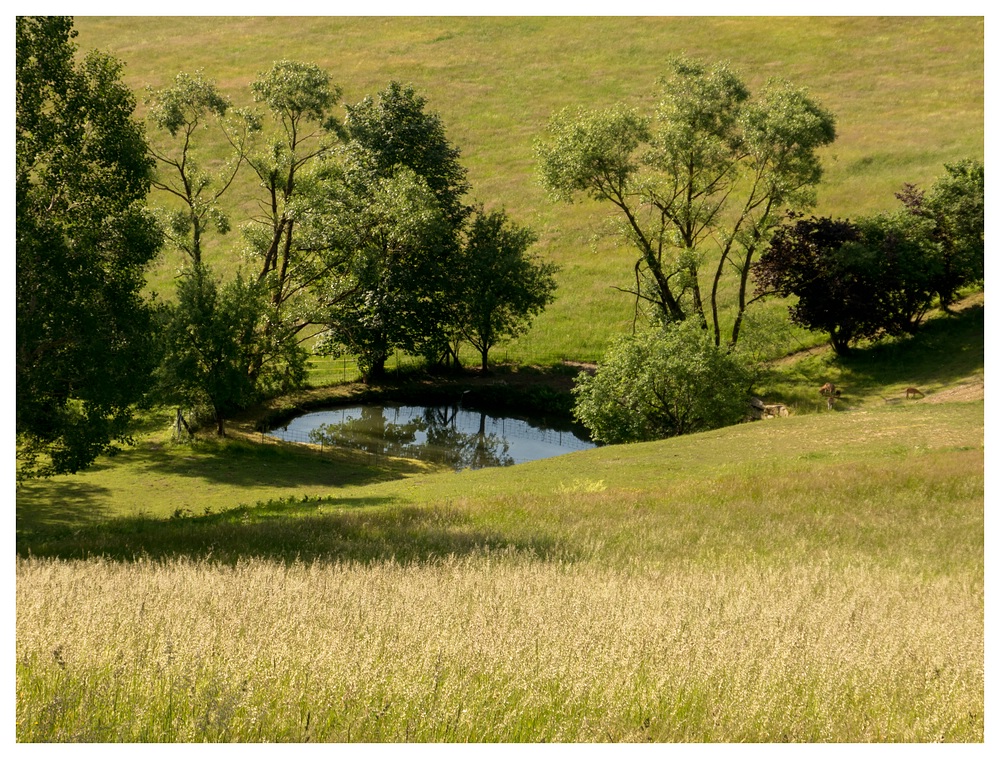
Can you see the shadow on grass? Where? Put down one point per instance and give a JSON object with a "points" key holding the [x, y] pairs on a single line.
{"points": [[59, 505], [944, 351], [365, 530], [247, 465], [77, 501]]}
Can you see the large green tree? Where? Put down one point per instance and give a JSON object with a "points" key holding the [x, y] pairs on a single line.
{"points": [[298, 127], [84, 239], [388, 210], [500, 286], [697, 186], [396, 129], [393, 240], [954, 212]]}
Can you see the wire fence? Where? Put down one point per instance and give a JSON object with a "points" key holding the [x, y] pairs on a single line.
{"points": [[321, 445], [327, 370]]}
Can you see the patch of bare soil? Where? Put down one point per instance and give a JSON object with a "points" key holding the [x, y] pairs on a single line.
{"points": [[967, 390]]}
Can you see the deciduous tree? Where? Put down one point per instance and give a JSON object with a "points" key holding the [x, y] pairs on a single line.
{"points": [[210, 343], [661, 383], [84, 239], [501, 287], [955, 213], [185, 111], [697, 186], [298, 128], [390, 290], [396, 129], [852, 280], [388, 210]]}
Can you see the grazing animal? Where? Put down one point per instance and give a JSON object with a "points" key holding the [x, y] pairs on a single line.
{"points": [[912, 391], [828, 389]]}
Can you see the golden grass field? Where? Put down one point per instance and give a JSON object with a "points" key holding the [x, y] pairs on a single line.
{"points": [[812, 579], [496, 648]]}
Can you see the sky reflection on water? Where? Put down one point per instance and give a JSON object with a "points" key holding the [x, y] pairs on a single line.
{"points": [[459, 437]]}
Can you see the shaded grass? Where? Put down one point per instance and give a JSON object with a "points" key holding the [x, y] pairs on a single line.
{"points": [[947, 351], [893, 486], [158, 477]]}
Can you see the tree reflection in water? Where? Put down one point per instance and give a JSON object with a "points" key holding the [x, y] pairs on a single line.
{"points": [[447, 435]]}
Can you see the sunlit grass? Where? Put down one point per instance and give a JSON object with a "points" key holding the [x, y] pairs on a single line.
{"points": [[496, 648], [815, 578], [908, 94]]}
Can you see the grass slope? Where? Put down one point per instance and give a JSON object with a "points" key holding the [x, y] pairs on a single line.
{"points": [[812, 578], [908, 93], [816, 578]]}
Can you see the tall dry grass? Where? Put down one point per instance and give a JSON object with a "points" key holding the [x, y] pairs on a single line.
{"points": [[496, 647]]}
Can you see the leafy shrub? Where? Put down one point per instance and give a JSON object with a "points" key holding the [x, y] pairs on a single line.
{"points": [[662, 383]]}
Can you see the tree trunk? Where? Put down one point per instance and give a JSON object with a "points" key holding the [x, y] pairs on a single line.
{"points": [[841, 345], [376, 372]]}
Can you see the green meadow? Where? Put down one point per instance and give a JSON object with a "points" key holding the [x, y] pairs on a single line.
{"points": [[907, 92], [812, 578]]}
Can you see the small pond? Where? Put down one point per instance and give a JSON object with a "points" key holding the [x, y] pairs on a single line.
{"points": [[459, 437]]}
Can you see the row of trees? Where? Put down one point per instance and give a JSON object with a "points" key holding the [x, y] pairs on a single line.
{"points": [[880, 274], [711, 188], [856, 280], [364, 233], [361, 233]]}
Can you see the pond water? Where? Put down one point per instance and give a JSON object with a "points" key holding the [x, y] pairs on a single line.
{"points": [[459, 437]]}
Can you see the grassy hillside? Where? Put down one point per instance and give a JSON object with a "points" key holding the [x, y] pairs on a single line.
{"points": [[908, 94], [815, 578]]}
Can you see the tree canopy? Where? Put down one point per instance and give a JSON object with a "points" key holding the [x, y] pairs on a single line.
{"points": [[396, 129], [698, 185], [502, 287], [664, 382], [184, 111], [84, 240], [955, 213], [853, 280], [390, 289], [209, 342]]}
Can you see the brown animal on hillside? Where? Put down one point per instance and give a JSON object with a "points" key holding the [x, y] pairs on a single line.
{"points": [[912, 391], [828, 389]]}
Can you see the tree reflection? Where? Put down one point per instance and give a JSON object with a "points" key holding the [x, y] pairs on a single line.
{"points": [[437, 435]]}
